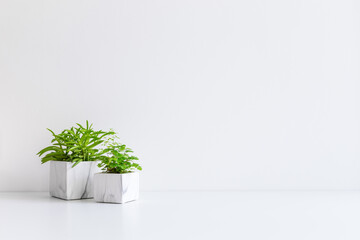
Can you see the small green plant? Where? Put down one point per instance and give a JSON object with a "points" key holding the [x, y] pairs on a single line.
{"points": [[76, 145], [119, 158]]}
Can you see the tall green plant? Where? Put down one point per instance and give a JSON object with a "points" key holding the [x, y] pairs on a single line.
{"points": [[76, 145]]}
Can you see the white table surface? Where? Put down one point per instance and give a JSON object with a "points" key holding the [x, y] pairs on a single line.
{"points": [[239, 215]]}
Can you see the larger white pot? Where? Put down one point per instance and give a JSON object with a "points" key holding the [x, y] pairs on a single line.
{"points": [[67, 182], [116, 188]]}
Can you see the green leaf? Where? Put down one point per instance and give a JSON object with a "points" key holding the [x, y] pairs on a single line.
{"points": [[50, 148]]}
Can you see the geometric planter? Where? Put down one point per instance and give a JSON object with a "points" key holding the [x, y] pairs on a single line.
{"points": [[72, 183], [115, 187]]}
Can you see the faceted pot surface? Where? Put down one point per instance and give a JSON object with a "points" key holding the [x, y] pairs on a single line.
{"points": [[116, 188], [69, 183]]}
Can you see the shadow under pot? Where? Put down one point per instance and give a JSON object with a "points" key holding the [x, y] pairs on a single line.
{"points": [[116, 187], [70, 183]]}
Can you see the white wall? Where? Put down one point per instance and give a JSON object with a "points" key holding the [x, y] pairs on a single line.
{"points": [[219, 94]]}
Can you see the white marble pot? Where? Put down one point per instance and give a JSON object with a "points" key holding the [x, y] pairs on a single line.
{"points": [[116, 188], [69, 183]]}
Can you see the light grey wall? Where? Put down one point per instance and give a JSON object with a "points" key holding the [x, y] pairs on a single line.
{"points": [[221, 94]]}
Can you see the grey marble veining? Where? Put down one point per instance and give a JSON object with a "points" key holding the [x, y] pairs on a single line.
{"points": [[116, 188], [72, 183]]}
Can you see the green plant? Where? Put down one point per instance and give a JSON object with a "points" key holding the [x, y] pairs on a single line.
{"points": [[119, 158], [76, 145]]}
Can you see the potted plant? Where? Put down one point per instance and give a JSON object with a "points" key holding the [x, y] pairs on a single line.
{"points": [[119, 181], [74, 156]]}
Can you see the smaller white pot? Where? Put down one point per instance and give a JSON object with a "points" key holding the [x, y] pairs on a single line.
{"points": [[115, 187]]}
